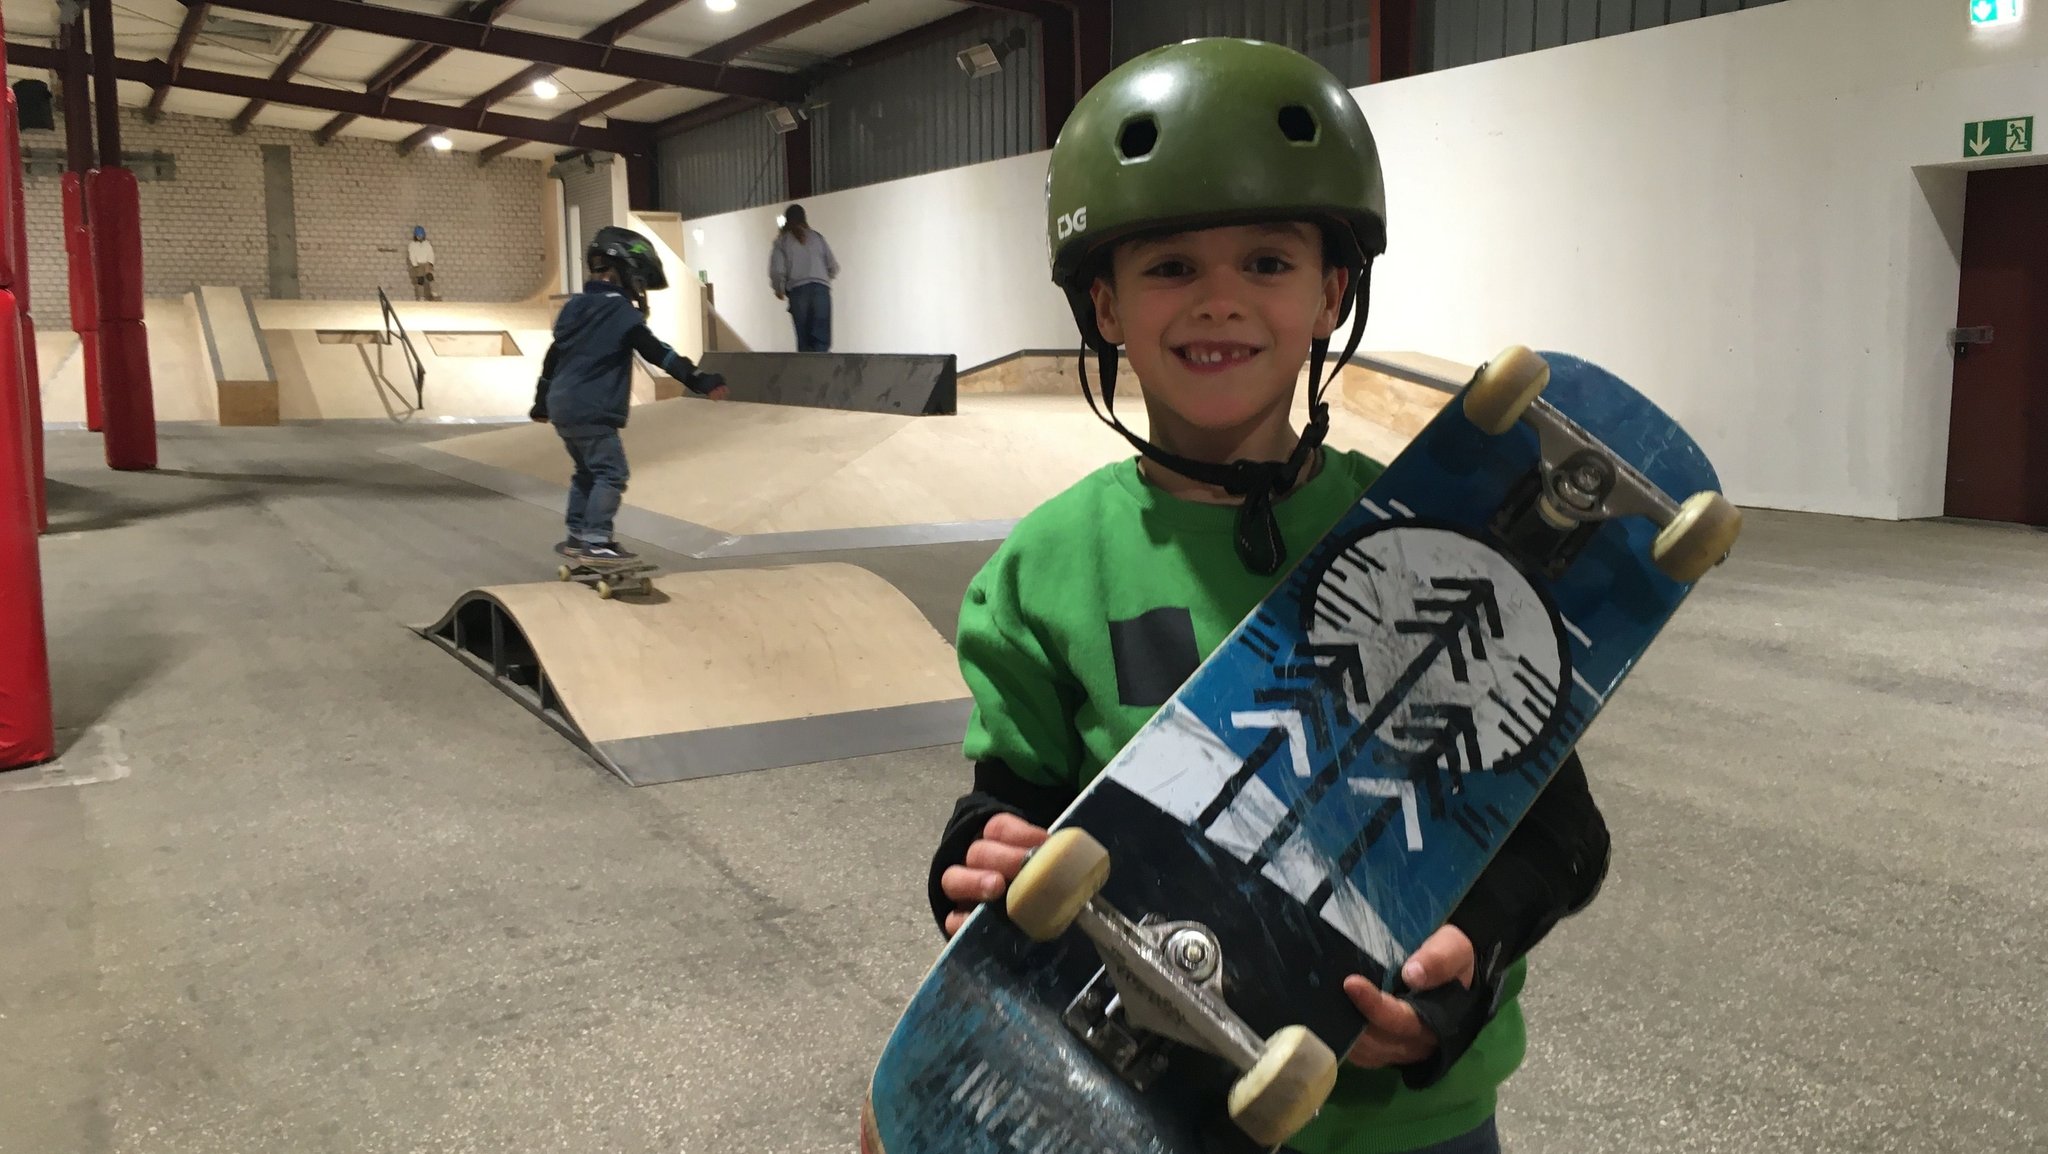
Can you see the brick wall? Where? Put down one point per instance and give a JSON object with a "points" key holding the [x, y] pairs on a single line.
{"points": [[354, 202]]}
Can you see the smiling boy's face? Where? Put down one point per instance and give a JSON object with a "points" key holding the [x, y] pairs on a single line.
{"points": [[1217, 323]]}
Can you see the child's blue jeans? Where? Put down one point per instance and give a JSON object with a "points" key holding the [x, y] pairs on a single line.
{"points": [[600, 480]]}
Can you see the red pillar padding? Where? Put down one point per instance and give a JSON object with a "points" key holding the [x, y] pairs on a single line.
{"points": [[30, 371], [32, 388], [85, 299], [131, 415], [27, 724], [114, 207], [13, 255]]}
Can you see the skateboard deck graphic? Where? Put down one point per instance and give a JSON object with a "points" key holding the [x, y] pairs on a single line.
{"points": [[1317, 797]]}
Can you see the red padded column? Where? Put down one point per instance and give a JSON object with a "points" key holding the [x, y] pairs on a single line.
{"points": [[85, 299], [114, 207], [27, 724]]}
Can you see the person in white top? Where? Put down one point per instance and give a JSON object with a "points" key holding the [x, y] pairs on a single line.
{"points": [[419, 258]]}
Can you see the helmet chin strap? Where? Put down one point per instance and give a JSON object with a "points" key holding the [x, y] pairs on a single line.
{"points": [[1260, 544]]}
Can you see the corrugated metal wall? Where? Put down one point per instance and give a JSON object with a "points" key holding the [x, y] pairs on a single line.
{"points": [[907, 115], [1333, 32], [1457, 32], [919, 113], [590, 190], [727, 165]]}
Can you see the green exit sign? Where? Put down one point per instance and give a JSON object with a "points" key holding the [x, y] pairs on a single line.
{"points": [[1998, 137], [1989, 12]]}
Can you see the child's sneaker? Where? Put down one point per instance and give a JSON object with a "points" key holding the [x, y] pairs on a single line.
{"points": [[568, 546], [604, 551]]}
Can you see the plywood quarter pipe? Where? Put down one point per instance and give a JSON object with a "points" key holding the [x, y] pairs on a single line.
{"points": [[181, 377], [722, 671]]}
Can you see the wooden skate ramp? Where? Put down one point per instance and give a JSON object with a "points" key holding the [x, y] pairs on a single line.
{"points": [[718, 672], [737, 479]]}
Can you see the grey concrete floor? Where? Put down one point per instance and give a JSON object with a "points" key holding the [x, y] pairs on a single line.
{"points": [[303, 882]]}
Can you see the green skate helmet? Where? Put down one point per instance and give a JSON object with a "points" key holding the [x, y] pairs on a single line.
{"points": [[1204, 133]]}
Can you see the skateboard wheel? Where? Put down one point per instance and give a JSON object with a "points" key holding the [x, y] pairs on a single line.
{"points": [[1504, 389], [1057, 880], [563, 572], [1285, 1088], [1698, 538], [604, 589], [870, 1141]]}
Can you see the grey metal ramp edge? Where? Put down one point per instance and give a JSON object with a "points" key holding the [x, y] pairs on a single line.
{"points": [[206, 331], [701, 541], [872, 537], [672, 757], [262, 342]]}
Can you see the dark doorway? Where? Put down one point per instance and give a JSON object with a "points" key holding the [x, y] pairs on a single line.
{"points": [[1998, 422]]}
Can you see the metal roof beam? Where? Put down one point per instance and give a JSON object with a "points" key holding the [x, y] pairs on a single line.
{"points": [[157, 72], [556, 51]]}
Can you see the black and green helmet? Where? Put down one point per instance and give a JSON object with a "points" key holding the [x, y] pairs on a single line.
{"points": [[629, 253], [1205, 133], [1209, 132]]}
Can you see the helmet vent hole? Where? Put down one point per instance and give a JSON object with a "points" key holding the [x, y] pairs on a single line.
{"points": [[1138, 138], [1298, 124]]}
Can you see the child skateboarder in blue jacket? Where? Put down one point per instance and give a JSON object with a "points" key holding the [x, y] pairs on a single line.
{"points": [[586, 382]]}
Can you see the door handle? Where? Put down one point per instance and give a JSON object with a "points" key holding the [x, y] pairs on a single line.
{"points": [[1960, 340]]}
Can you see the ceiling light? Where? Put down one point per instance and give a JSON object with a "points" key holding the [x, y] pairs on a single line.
{"points": [[441, 142], [720, 5], [545, 89]]}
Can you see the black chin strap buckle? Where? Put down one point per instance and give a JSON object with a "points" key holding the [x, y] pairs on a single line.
{"points": [[1260, 544]]}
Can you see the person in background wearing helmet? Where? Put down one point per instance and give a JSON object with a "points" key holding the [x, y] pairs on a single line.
{"points": [[419, 263], [801, 269], [586, 382], [1214, 208]]}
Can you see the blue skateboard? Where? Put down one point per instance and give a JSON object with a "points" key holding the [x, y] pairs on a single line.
{"points": [[1165, 974]]}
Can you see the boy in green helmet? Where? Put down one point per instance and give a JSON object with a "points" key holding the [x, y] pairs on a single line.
{"points": [[1214, 208]]}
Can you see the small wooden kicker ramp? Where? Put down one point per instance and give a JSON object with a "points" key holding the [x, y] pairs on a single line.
{"points": [[719, 671]]}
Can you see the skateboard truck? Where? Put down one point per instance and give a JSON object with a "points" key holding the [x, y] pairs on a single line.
{"points": [[610, 578], [1163, 980], [1174, 974], [1578, 482]]}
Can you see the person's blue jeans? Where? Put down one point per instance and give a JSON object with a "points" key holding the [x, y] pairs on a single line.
{"points": [[1484, 1139], [810, 309], [600, 480]]}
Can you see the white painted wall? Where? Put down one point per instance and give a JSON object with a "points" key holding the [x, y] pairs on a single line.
{"points": [[953, 261], [1756, 218], [1726, 212]]}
